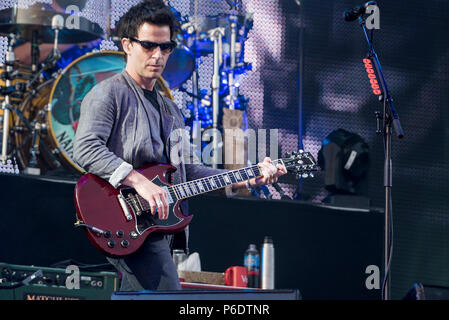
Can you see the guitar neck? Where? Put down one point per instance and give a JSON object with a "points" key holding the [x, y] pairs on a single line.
{"points": [[204, 185]]}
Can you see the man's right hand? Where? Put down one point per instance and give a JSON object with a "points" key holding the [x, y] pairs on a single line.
{"points": [[152, 193]]}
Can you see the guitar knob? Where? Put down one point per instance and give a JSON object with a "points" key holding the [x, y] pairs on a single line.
{"points": [[107, 234], [119, 233], [125, 243], [111, 244]]}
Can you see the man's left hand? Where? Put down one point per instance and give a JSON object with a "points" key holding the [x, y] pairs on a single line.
{"points": [[270, 173]]}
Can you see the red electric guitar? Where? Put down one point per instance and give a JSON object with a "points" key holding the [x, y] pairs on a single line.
{"points": [[118, 220]]}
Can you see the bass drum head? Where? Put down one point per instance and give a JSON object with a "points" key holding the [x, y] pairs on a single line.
{"points": [[69, 90]]}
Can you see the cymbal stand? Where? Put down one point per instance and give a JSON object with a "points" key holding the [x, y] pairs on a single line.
{"points": [[34, 151], [196, 127], [216, 35], [35, 51], [231, 74], [6, 106], [57, 23]]}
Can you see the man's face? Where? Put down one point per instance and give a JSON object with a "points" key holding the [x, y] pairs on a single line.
{"points": [[147, 64]]}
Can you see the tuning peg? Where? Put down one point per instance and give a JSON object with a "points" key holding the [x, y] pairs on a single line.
{"points": [[301, 151], [287, 155], [311, 175], [294, 153], [305, 175]]}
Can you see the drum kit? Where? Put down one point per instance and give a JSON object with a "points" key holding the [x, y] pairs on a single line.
{"points": [[40, 103]]}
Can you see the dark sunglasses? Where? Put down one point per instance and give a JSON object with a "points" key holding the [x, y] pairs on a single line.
{"points": [[166, 47]]}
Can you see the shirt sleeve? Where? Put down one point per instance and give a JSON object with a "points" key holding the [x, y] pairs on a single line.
{"points": [[90, 150]]}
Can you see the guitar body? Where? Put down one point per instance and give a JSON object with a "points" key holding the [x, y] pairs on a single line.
{"points": [[116, 223], [118, 220]]}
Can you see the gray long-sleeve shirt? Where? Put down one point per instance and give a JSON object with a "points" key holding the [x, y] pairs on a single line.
{"points": [[114, 133]]}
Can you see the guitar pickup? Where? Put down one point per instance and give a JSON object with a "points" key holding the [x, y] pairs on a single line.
{"points": [[170, 199], [125, 210]]}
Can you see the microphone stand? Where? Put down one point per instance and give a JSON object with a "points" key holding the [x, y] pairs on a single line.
{"points": [[390, 120]]}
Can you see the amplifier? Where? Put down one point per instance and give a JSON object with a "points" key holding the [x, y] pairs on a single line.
{"points": [[55, 284]]}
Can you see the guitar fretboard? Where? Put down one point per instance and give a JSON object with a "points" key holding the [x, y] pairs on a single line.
{"points": [[195, 187]]}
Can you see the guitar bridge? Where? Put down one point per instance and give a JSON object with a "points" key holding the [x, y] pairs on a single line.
{"points": [[122, 202]]}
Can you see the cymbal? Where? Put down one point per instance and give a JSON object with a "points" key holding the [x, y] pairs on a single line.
{"points": [[23, 22]]}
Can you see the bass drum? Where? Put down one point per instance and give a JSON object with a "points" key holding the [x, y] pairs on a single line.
{"points": [[55, 109]]}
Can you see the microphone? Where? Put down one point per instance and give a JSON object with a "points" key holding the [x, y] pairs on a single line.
{"points": [[354, 13]]}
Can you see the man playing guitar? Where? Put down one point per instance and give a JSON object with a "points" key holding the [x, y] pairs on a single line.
{"points": [[126, 123]]}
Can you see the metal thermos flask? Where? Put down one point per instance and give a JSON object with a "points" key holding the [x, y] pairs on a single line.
{"points": [[267, 263]]}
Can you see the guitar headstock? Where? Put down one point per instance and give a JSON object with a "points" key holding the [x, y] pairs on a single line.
{"points": [[301, 163]]}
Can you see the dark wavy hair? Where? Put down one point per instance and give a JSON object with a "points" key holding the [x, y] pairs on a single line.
{"points": [[148, 11]]}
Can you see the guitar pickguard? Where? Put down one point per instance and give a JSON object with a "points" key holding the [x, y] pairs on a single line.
{"points": [[144, 219]]}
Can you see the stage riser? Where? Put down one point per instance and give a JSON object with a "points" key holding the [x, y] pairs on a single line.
{"points": [[320, 251]]}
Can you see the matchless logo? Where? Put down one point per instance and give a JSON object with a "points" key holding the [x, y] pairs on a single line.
{"points": [[34, 296]]}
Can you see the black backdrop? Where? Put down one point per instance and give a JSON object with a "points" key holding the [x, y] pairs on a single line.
{"points": [[414, 52]]}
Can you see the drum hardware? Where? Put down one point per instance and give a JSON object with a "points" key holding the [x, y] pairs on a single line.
{"points": [[234, 4], [35, 51], [30, 134], [56, 151], [34, 151], [38, 20], [6, 105], [57, 24], [231, 75], [216, 35], [196, 125]]}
